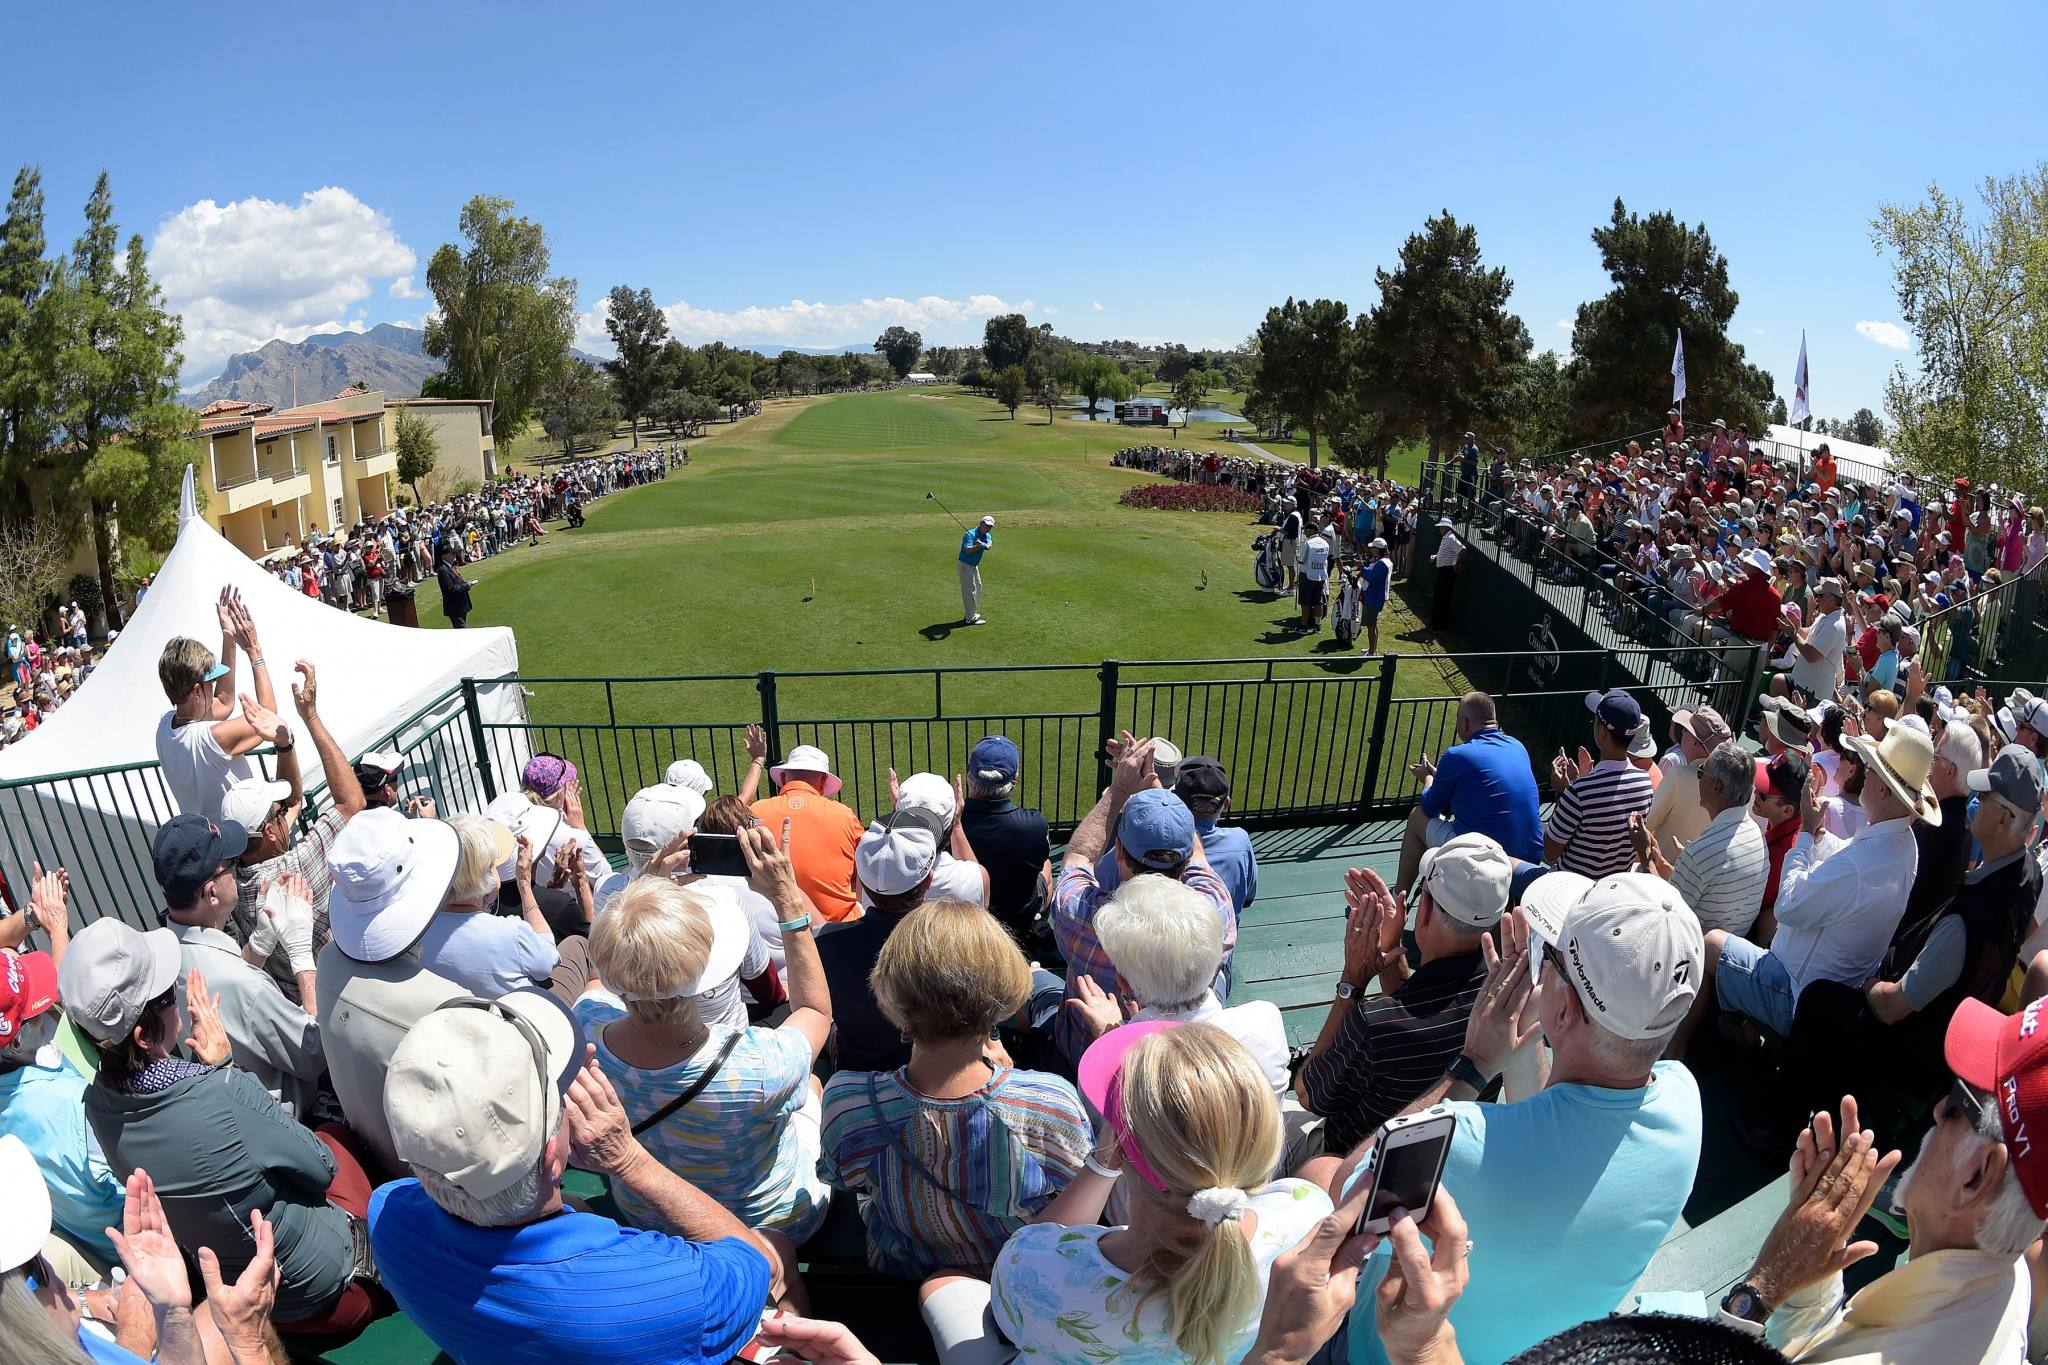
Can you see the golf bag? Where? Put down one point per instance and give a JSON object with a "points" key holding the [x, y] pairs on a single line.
{"points": [[1347, 613], [1266, 561]]}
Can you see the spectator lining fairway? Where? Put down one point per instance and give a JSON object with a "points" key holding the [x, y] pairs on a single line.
{"points": [[802, 539]]}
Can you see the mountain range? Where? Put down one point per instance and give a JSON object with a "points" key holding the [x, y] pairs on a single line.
{"points": [[385, 357]]}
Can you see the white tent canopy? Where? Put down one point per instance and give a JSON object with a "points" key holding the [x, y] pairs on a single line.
{"points": [[373, 678]]}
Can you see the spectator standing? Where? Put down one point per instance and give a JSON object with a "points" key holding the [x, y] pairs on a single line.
{"points": [[1450, 554], [1376, 1053], [1589, 825], [823, 833], [202, 745], [1375, 577], [1011, 841], [1312, 582], [480, 1251], [1484, 785], [455, 599]]}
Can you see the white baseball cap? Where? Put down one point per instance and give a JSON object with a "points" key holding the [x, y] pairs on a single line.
{"points": [[1632, 947], [988, 521], [895, 854], [26, 1224], [926, 791], [250, 799], [656, 815], [1468, 878], [390, 876], [543, 827], [807, 758], [689, 773], [111, 972], [474, 1090]]}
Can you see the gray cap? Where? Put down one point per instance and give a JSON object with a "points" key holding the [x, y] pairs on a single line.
{"points": [[1830, 587], [111, 972], [2013, 777], [1468, 878]]}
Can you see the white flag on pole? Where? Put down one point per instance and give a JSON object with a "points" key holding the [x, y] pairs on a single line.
{"points": [[1678, 370], [1800, 410]]}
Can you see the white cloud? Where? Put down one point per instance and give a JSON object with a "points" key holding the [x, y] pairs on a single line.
{"points": [[1758, 331], [404, 288], [245, 272], [1889, 335], [801, 323], [1564, 324], [1096, 307], [1049, 310]]}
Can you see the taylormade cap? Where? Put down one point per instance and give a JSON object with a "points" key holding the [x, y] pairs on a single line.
{"points": [[1468, 879], [1156, 830], [2006, 1056], [895, 854], [474, 1090], [656, 815], [1632, 948]]}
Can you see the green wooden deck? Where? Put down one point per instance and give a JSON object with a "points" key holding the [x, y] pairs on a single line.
{"points": [[1288, 952]]}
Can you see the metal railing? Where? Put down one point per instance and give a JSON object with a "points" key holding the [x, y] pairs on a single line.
{"points": [[1306, 741]]}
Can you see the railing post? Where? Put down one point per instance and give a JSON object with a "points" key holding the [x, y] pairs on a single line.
{"points": [[485, 771], [1376, 742], [1105, 722], [771, 715]]}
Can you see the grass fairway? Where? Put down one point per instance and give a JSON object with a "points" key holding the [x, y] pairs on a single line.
{"points": [[802, 540]]}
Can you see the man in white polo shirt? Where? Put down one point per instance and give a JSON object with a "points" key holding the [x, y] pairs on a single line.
{"points": [[1815, 658], [1313, 583]]}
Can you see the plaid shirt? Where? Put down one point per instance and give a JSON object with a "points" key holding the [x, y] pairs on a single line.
{"points": [[1075, 900], [308, 858]]}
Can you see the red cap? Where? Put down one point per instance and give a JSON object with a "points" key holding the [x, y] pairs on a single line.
{"points": [[28, 986], [2006, 1055]]}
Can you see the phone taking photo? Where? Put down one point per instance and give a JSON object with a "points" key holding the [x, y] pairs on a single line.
{"points": [[1407, 1163], [717, 855]]}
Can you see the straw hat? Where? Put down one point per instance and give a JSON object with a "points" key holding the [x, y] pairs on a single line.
{"points": [[1903, 760]]}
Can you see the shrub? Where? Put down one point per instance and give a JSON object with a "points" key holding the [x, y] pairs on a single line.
{"points": [[1190, 497]]}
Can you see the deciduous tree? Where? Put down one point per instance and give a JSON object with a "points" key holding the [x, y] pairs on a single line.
{"points": [[639, 329], [1096, 377], [1010, 388], [502, 324], [1189, 390], [417, 450], [34, 552], [576, 405], [1006, 341], [900, 347]]}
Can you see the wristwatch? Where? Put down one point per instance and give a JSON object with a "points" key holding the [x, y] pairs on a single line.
{"points": [[1743, 1301], [1464, 1069], [1346, 991]]}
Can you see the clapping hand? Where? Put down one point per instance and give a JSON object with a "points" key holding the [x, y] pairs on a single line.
{"points": [[242, 1309], [895, 788], [757, 743], [306, 692], [1561, 772], [1098, 1010], [1836, 1176], [47, 905], [1504, 1018], [1133, 772], [1813, 806], [208, 1040], [148, 1249], [1372, 929]]}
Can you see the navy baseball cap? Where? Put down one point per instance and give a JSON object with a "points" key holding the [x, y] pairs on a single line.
{"points": [[995, 754], [1156, 829], [190, 848], [1617, 711]]}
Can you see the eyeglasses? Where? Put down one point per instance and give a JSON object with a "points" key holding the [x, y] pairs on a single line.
{"points": [[1962, 1099], [1556, 959]]}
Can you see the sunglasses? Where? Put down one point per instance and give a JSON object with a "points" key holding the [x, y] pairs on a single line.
{"points": [[1962, 1099]]}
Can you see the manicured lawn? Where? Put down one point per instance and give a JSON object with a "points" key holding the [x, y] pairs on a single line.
{"points": [[802, 540]]}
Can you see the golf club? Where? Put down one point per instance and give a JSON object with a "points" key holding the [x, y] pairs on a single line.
{"points": [[934, 497]]}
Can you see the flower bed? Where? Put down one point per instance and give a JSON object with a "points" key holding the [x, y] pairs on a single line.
{"points": [[1190, 497]]}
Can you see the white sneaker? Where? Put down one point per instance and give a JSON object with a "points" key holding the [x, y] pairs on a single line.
{"points": [[978, 621]]}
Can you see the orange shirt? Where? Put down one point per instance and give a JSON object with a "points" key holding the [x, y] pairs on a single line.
{"points": [[822, 837], [1824, 471]]}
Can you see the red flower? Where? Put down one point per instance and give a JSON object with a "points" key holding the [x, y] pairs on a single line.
{"points": [[1190, 497]]}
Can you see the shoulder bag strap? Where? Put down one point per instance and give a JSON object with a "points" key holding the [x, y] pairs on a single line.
{"points": [[732, 1040], [903, 1150]]}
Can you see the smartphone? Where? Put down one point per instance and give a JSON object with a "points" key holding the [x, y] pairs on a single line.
{"points": [[1407, 1162], [717, 855]]}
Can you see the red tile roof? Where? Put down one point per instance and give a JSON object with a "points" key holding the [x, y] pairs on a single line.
{"points": [[437, 402], [353, 391], [284, 426], [220, 425]]}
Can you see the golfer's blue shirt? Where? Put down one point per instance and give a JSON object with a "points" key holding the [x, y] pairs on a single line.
{"points": [[974, 545]]}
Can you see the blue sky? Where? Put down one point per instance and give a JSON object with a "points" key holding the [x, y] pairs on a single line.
{"points": [[1126, 171]]}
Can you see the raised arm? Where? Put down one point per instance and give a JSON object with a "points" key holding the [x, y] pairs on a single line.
{"points": [[770, 872], [342, 787], [757, 762], [238, 735], [1132, 774]]}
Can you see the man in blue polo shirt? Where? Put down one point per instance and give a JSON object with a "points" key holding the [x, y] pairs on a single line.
{"points": [[486, 1101], [1485, 785], [1376, 574], [973, 546]]}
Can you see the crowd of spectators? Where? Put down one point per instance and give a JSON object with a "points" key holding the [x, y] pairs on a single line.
{"points": [[43, 677], [352, 1070]]}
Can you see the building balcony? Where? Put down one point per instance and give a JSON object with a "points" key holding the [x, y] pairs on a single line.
{"points": [[265, 489], [377, 464]]}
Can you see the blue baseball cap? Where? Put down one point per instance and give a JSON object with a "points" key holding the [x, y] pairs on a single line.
{"points": [[1617, 711], [996, 754], [189, 848], [1157, 830]]}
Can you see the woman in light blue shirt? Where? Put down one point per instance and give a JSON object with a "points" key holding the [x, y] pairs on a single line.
{"points": [[489, 954]]}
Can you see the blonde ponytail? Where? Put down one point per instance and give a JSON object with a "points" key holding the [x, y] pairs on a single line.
{"points": [[1208, 1124]]}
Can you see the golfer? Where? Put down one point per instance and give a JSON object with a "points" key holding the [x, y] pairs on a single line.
{"points": [[973, 546]]}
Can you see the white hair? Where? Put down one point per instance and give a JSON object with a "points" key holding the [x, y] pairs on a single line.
{"points": [[1960, 746], [1730, 765], [507, 1208], [476, 863], [989, 785], [28, 1040], [2010, 1225], [1164, 938]]}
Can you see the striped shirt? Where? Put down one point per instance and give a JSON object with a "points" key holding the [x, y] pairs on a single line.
{"points": [[1591, 818], [1076, 897], [944, 1183], [1722, 873], [1391, 1048]]}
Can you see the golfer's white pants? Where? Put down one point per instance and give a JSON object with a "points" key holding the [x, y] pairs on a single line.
{"points": [[970, 590]]}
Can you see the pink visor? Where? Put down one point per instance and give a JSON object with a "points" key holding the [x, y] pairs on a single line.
{"points": [[1101, 1079]]}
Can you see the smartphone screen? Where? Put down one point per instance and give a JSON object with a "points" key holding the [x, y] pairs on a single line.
{"points": [[1406, 1174], [717, 855]]}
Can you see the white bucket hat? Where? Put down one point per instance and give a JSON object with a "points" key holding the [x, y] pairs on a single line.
{"points": [[807, 758], [26, 1225], [390, 876]]}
